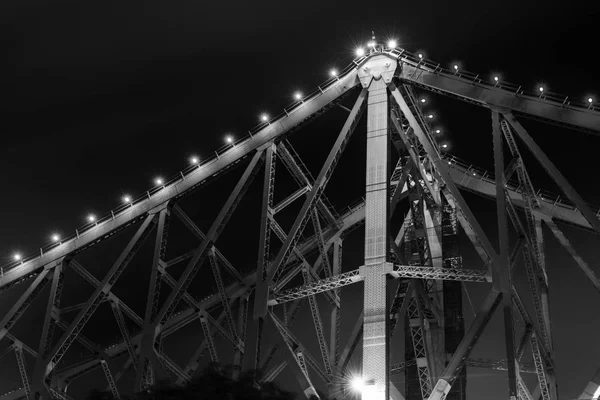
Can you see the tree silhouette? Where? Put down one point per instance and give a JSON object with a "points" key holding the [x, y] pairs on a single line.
{"points": [[214, 383]]}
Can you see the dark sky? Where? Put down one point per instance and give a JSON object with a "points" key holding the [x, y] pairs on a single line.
{"points": [[98, 98]]}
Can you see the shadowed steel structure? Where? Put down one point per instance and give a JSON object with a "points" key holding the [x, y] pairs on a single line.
{"points": [[412, 276]]}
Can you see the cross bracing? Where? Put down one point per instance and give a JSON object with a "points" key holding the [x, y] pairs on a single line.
{"points": [[423, 254]]}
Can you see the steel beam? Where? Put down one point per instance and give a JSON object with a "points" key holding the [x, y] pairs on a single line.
{"points": [[172, 366], [316, 316], [273, 372], [297, 352], [290, 199], [295, 345], [23, 370], [152, 299], [222, 292], [334, 336], [451, 274], [353, 341], [242, 325], [212, 349], [125, 333], [109, 379], [51, 310], [501, 267], [264, 245], [312, 288], [566, 243], [194, 361], [499, 365]]}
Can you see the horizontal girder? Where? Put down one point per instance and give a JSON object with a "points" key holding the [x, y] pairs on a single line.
{"points": [[482, 183], [399, 271], [475, 90]]}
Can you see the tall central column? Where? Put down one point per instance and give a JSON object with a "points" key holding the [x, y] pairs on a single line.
{"points": [[374, 271]]}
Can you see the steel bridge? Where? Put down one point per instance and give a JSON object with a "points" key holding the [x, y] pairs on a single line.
{"points": [[411, 277]]}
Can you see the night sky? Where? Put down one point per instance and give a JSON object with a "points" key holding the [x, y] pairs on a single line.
{"points": [[98, 98]]}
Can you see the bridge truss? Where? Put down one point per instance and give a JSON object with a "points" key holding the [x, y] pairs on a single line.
{"points": [[411, 277]]}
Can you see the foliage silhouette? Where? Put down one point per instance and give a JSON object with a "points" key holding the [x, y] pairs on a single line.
{"points": [[214, 383]]}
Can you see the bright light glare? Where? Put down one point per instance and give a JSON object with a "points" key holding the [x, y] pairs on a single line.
{"points": [[17, 256], [596, 394], [496, 78], [126, 199], [333, 72], [590, 100], [357, 384], [392, 44], [420, 56], [264, 117], [55, 238], [91, 218], [297, 95], [423, 100], [541, 88], [455, 67], [445, 146], [360, 52], [194, 160], [438, 131], [430, 116], [158, 181], [229, 139]]}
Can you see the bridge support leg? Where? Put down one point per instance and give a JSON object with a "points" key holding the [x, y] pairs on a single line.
{"points": [[375, 335], [501, 268]]}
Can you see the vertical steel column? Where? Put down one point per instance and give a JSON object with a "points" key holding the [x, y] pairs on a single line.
{"points": [[52, 308], [375, 335], [501, 268], [149, 332], [334, 329], [264, 244]]}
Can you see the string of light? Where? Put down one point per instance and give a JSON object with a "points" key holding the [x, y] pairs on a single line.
{"points": [[391, 47]]}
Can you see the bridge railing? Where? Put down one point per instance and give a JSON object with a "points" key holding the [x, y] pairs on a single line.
{"points": [[473, 172], [488, 81]]}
